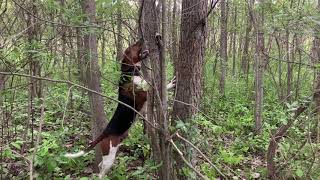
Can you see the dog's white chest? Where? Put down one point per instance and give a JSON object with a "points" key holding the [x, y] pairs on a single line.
{"points": [[140, 83]]}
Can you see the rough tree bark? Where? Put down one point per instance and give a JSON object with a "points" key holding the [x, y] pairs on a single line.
{"points": [[189, 68], [93, 77], [174, 34], [259, 62], [149, 30], [157, 97], [245, 64], [163, 108], [316, 46]]}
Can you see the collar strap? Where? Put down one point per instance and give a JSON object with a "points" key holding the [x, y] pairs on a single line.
{"points": [[131, 71]]}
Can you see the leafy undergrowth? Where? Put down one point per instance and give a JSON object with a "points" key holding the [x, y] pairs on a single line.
{"points": [[67, 131], [133, 159], [223, 131]]}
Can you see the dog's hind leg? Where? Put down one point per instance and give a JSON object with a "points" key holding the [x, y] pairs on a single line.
{"points": [[109, 147]]}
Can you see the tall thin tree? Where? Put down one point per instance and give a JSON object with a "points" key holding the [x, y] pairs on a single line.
{"points": [[258, 17], [157, 98], [189, 70], [223, 46], [119, 43], [174, 33], [245, 63], [93, 75], [316, 46]]}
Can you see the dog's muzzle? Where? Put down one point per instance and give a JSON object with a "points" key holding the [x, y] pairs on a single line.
{"points": [[144, 54]]}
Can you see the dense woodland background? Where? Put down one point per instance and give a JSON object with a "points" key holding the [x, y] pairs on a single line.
{"points": [[246, 103]]}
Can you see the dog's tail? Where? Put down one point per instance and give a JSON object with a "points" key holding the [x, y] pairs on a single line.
{"points": [[75, 155], [89, 148]]}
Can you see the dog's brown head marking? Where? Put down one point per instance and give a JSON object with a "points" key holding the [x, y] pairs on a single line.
{"points": [[134, 53]]}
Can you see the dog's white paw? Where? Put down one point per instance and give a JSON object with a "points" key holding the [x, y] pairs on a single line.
{"points": [[172, 83]]}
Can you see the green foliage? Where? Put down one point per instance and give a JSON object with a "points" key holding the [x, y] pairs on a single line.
{"points": [[207, 169], [230, 157], [223, 130]]}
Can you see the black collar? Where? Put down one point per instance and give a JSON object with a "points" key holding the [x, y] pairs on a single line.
{"points": [[131, 70], [127, 72]]}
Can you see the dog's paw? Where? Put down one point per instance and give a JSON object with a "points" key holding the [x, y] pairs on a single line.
{"points": [[100, 166], [174, 79], [172, 83]]}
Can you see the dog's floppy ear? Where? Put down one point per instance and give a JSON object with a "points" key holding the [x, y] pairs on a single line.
{"points": [[126, 61], [125, 67]]}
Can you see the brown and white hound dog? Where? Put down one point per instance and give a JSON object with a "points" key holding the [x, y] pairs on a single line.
{"points": [[133, 92]]}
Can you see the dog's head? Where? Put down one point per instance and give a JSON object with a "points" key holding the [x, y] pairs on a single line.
{"points": [[134, 54]]}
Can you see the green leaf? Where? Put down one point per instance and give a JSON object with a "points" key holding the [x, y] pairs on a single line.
{"points": [[180, 125], [138, 171], [8, 153], [16, 145], [52, 165], [84, 178], [38, 161], [67, 177], [299, 172]]}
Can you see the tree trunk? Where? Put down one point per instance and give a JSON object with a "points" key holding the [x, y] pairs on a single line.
{"points": [[298, 49], [169, 24], [174, 34], [280, 93], [34, 67], [259, 59], [80, 56], [189, 69], [150, 28], [245, 56], [234, 34], [119, 42], [2, 110], [103, 49], [163, 108], [316, 46], [93, 77], [157, 97], [63, 36], [223, 47], [289, 66]]}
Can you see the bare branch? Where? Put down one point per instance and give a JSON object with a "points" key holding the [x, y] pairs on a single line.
{"points": [[202, 154], [82, 87], [187, 163]]}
